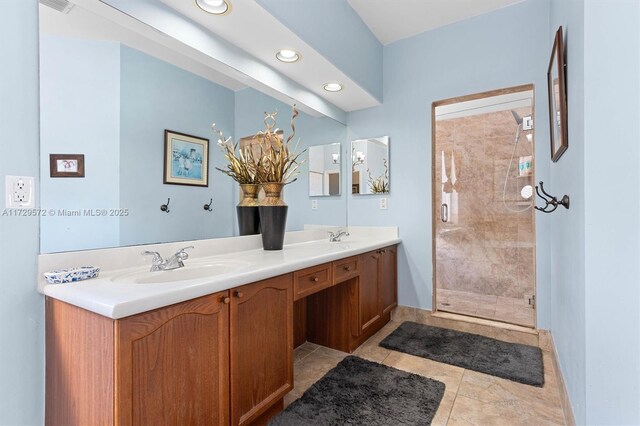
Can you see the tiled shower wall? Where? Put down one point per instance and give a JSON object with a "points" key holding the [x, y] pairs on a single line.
{"points": [[487, 251]]}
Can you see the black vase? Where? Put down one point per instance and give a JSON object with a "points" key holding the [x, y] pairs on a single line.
{"points": [[248, 220], [273, 222]]}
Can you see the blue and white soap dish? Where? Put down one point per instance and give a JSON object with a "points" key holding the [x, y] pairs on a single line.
{"points": [[70, 275]]}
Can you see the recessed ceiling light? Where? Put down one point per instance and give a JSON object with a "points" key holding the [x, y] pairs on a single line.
{"points": [[333, 87], [287, 55], [216, 7]]}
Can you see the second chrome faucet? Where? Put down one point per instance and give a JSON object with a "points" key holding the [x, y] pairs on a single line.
{"points": [[173, 262], [337, 236]]}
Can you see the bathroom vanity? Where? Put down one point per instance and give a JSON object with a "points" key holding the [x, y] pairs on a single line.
{"points": [[225, 357]]}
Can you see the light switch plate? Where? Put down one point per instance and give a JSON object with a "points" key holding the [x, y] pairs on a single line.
{"points": [[527, 123], [19, 192], [314, 204], [383, 203]]}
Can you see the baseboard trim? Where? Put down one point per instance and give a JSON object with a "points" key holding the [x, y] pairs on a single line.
{"points": [[569, 419]]}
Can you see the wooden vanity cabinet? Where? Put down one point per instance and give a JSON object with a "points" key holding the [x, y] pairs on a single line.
{"points": [[261, 347], [377, 289], [359, 303], [172, 364], [369, 310], [221, 359], [388, 279]]}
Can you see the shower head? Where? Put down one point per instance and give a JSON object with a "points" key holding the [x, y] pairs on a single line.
{"points": [[516, 117]]}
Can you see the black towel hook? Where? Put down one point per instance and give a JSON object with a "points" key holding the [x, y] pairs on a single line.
{"points": [[165, 207], [207, 207], [550, 200]]}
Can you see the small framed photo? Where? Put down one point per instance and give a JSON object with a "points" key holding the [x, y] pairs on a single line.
{"points": [[557, 99], [66, 165], [186, 159]]}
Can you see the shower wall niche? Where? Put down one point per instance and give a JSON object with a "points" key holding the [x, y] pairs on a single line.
{"points": [[484, 223]]}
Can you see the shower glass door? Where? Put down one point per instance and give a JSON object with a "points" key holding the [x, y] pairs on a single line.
{"points": [[483, 216]]}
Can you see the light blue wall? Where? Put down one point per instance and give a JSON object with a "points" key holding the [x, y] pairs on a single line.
{"points": [[567, 176], [250, 108], [157, 96], [80, 114], [337, 32], [612, 210], [505, 48], [21, 307]]}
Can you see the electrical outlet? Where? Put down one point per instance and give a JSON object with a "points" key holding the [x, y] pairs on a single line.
{"points": [[19, 192], [527, 123], [314, 204], [383, 203]]}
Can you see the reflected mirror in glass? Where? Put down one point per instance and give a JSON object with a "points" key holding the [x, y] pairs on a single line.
{"points": [[370, 166], [124, 90], [324, 170]]}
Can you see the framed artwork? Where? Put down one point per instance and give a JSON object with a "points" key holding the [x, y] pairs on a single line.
{"points": [[186, 159], [66, 165], [557, 99]]}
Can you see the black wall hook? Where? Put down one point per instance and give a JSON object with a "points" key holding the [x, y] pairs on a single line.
{"points": [[207, 207], [552, 202], [165, 207]]}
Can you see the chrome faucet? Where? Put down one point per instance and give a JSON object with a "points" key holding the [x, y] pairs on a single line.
{"points": [[173, 262], [337, 236]]}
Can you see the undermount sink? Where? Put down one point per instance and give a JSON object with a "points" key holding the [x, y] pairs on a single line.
{"points": [[189, 272]]}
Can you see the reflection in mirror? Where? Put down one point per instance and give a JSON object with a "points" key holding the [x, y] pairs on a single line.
{"points": [[324, 170], [370, 166], [111, 98]]}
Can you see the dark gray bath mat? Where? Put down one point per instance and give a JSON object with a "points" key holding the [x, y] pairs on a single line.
{"points": [[520, 363], [361, 392]]}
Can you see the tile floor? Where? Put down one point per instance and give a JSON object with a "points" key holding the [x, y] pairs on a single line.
{"points": [[507, 309], [470, 398]]}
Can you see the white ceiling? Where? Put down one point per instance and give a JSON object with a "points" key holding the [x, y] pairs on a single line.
{"points": [[257, 32], [83, 23], [393, 20]]}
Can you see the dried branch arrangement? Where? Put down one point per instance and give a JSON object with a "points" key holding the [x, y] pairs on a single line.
{"points": [[380, 185], [278, 162], [243, 167]]}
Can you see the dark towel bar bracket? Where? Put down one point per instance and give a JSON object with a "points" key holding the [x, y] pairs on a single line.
{"points": [[552, 202]]}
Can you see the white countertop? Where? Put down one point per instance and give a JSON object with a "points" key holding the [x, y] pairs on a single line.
{"points": [[110, 297]]}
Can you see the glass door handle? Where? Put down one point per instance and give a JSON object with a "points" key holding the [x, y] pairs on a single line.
{"points": [[444, 213]]}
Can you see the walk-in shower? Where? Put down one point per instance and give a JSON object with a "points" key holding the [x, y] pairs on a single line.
{"points": [[483, 220]]}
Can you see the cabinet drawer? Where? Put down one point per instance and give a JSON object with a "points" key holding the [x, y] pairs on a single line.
{"points": [[345, 269], [311, 280]]}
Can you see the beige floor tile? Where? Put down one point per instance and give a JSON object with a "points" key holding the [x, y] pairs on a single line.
{"points": [[506, 399], [330, 353], [308, 346], [403, 313], [372, 351], [300, 353], [311, 369], [544, 340]]}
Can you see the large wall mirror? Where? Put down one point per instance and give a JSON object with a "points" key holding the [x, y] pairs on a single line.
{"points": [[370, 166], [110, 94], [324, 170]]}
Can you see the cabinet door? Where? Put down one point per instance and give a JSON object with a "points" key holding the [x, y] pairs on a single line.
{"points": [[368, 291], [388, 280], [172, 364], [261, 347]]}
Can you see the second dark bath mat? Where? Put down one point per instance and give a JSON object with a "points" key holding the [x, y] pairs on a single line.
{"points": [[512, 361]]}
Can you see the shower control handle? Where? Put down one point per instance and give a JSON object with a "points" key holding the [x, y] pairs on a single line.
{"points": [[444, 213]]}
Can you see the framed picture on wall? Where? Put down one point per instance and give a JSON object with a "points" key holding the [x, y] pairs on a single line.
{"points": [[186, 159], [557, 99], [66, 165]]}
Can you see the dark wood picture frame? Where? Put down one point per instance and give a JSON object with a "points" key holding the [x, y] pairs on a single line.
{"points": [[66, 165], [186, 159], [557, 92]]}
